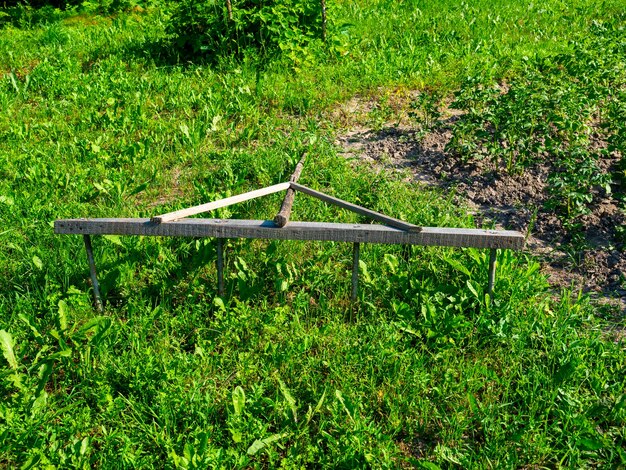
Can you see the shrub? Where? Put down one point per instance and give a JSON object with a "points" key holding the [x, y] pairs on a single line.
{"points": [[50, 5], [63, 4], [214, 28]]}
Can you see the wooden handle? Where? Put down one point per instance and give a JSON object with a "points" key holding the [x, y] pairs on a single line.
{"points": [[181, 214], [282, 218]]}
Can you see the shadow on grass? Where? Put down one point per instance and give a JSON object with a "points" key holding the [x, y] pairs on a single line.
{"points": [[165, 52]]}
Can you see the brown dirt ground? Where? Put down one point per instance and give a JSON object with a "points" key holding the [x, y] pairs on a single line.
{"points": [[513, 202]]}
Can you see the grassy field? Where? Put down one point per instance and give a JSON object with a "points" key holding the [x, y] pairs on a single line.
{"points": [[99, 119]]}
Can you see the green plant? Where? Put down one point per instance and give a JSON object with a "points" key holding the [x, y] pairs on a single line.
{"points": [[211, 29], [29, 13], [426, 109], [574, 184]]}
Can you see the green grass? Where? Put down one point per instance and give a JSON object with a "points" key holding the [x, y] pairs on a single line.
{"points": [[424, 372]]}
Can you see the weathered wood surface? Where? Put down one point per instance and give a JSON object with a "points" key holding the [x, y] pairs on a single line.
{"points": [[92, 272], [229, 201], [364, 233], [357, 209], [493, 254], [356, 248], [220, 267], [282, 218]]}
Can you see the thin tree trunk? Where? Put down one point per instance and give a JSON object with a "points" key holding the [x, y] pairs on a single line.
{"points": [[323, 5], [229, 7]]}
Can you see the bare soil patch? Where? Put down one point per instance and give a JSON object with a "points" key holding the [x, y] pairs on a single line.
{"points": [[508, 201]]}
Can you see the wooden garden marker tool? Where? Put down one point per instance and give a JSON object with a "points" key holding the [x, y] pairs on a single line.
{"points": [[174, 224], [266, 229], [282, 218]]}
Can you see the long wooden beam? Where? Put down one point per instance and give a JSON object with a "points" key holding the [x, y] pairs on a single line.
{"points": [[364, 233], [209, 206], [357, 209]]}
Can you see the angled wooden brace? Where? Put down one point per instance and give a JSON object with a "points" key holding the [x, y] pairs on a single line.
{"points": [[385, 219], [229, 201], [282, 218]]}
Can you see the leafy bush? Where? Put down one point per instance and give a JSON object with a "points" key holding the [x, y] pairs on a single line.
{"points": [[229, 27], [23, 15], [42, 3], [27, 13], [105, 5]]}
